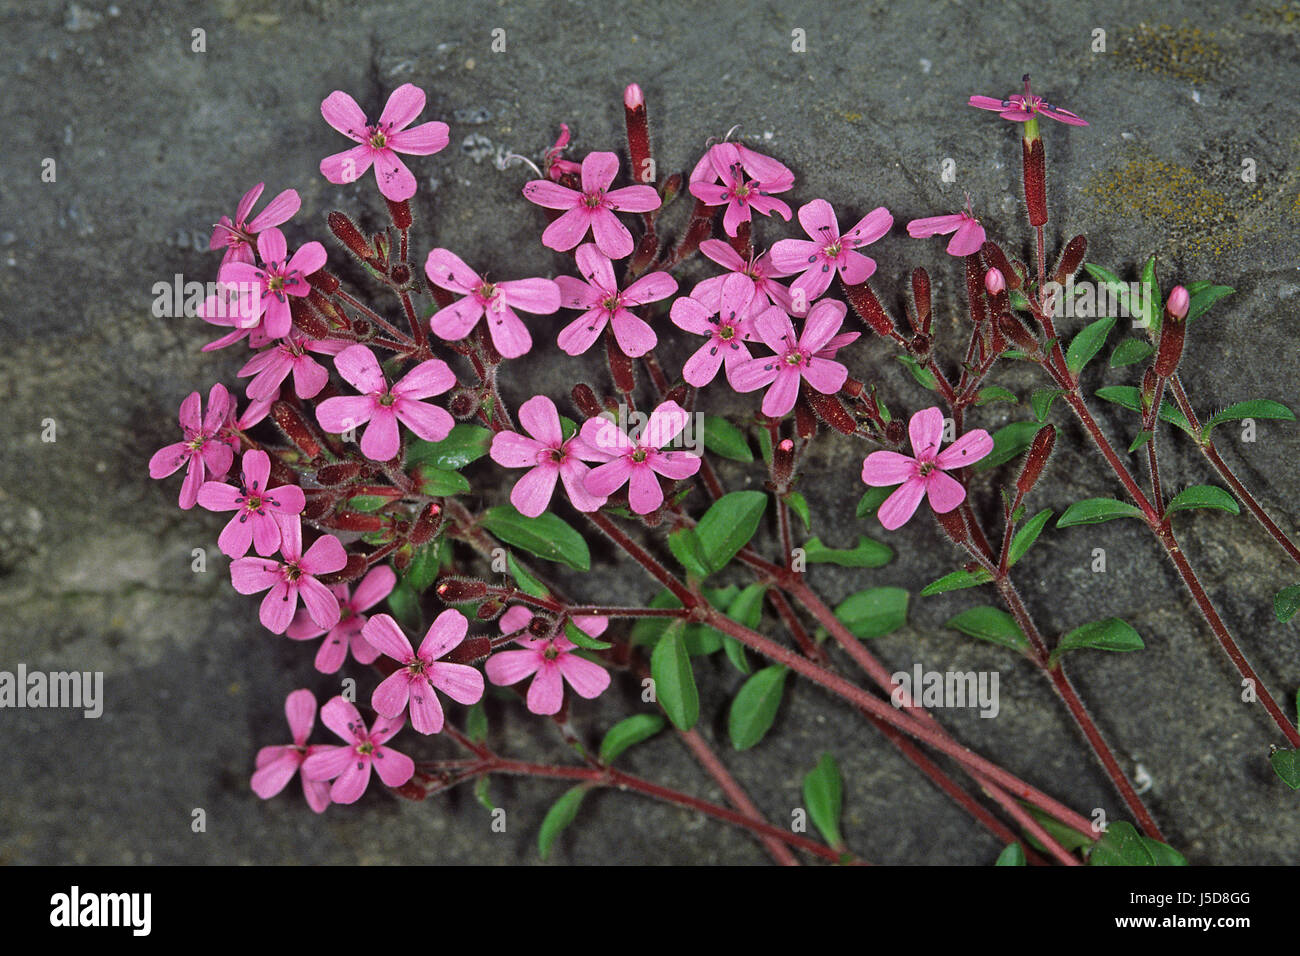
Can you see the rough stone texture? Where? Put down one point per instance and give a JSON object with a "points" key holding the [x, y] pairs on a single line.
{"points": [[153, 142]]}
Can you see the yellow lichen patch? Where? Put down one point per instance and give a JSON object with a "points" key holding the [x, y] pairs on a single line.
{"points": [[1284, 18], [1184, 51]]}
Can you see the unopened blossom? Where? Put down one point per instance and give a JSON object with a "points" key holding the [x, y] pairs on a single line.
{"points": [[291, 578], [257, 506], [265, 288], [277, 765], [926, 472], [346, 634], [827, 251], [605, 304], [292, 353], [739, 193], [381, 141], [497, 300], [592, 208], [760, 269], [421, 672], [806, 358], [727, 325], [551, 659], [383, 406], [548, 457], [202, 449], [349, 765], [1022, 107], [968, 234], [237, 236], [638, 462], [553, 165]]}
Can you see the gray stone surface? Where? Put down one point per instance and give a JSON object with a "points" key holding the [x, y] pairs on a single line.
{"points": [[153, 142]]}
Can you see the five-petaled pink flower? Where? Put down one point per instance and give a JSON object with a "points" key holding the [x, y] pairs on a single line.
{"points": [[728, 185], [593, 208], [384, 406], [497, 300], [827, 251], [1020, 107], [294, 576], [202, 448], [271, 367], [257, 507], [346, 634], [381, 142], [727, 323], [237, 237], [638, 463], [421, 671], [553, 661], [925, 474], [968, 234], [349, 765], [605, 305], [760, 269], [264, 288], [808, 358], [277, 765], [547, 456]]}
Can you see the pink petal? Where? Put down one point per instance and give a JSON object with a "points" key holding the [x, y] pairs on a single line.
{"points": [[270, 778], [250, 575], [775, 329], [812, 283], [167, 459], [606, 479], [944, 491], [540, 418], [266, 534], [342, 717], [722, 253], [538, 296], [551, 195], [870, 227], [308, 259], [818, 220], [634, 198], [352, 782], [390, 697], [967, 240], [403, 106], [278, 211], [359, 367], [666, 423], [934, 225], [300, 710], [546, 692], [512, 450], [460, 682], [342, 112], [326, 763], [966, 450], [633, 334], [246, 204], [271, 246], [794, 255], [394, 768], [374, 587], [444, 635], [987, 103], [901, 505], [926, 431], [429, 422], [824, 320], [321, 604], [753, 375], [510, 667], [447, 270], [509, 334], [382, 633], [219, 496], [676, 465], [690, 316], [581, 334], [604, 438], [780, 398], [643, 491], [347, 166], [278, 607], [426, 709], [532, 492], [237, 535], [881, 469], [824, 375], [651, 287], [855, 268], [587, 678], [381, 441], [598, 171], [574, 475], [567, 231], [457, 320], [612, 237], [337, 415], [396, 182], [702, 367]]}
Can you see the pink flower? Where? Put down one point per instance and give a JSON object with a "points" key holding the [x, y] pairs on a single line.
{"points": [[497, 299], [761, 270], [553, 165], [828, 252], [349, 765], [637, 462], [202, 448], [277, 765], [1022, 107], [551, 659], [295, 576], [808, 358], [236, 307], [421, 671], [757, 166], [383, 407], [256, 505], [271, 367], [346, 634], [381, 142], [237, 237], [593, 208], [547, 456], [926, 473], [606, 305], [968, 233], [738, 194], [263, 289], [728, 324]]}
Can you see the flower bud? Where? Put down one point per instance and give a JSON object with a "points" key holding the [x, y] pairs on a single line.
{"points": [[355, 567], [638, 134], [869, 309], [463, 404], [346, 232], [324, 280], [921, 297], [831, 410], [400, 212], [295, 428], [469, 651], [340, 473], [1039, 451], [782, 462], [1179, 301], [458, 590], [585, 398], [1071, 259], [997, 259], [994, 281], [676, 394], [621, 367], [490, 609], [1013, 329], [975, 290], [307, 321], [1035, 160], [895, 432], [428, 525], [954, 525], [1172, 332], [805, 419]]}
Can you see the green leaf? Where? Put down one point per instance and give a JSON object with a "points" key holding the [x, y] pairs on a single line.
{"points": [[424, 567], [465, 443], [1087, 344], [1258, 408], [1013, 855], [1204, 298], [476, 723], [365, 503], [1009, 441], [1041, 401], [546, 536], [627, 732], [1286, 764], [1203, 496], [1117, 289], [1152, 304], [995, 393], [440, 482], [990, 624], [405, 605], [728, 525], [1140, 439], [1131, 398], [1130, 352], [527, 583], [957, 581], [583, 639], [685, 546], [865, 554], [670, 666], [872, 499], [923, 375], [1122, 845], [1286, 602], [481, 793], [765, 445], [1097, 510], [1112, 634], [799, 505], [755, 706], [725, 439], [562, 813], [874, 612], [747, 609], [1069, 838], [1026, 535], [823, 792]]}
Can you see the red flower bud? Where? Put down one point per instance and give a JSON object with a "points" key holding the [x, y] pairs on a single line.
{"points": [[997, 259], [346, 232], [586, 400], [1011, 327], [782, 462], [975, 289], [921, 298], [341, 473], [324, 280], [638, 134], [1172, 332], [295, 428], [470, 651], [355, 567], [954, 525], [428, 525], [1035, 160], [1071, 259], [832, 411], [869, 309], [994, 281], [621, 367], [1179, 301], [458, 590], [1039, 451], [400, 212]]}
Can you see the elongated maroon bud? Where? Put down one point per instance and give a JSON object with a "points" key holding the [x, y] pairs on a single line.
{"points": [[1149, 382], [1039, 451], [921, 296], [400, 212], [644, 254], [428, 525], [318, 503], [295, 428], [997, 259], [355, 521], [490, 609], [831, 410], [1012, 329], [1172, 332], [869, 309], [782, 462], [470, 651], [1035, 180], [1071, 259], [638, 135], [586, 400], [459, 590], [353, 239], [670, 188], [975, 290], [697, 230], [332, 313], [355, 567], [742, 241], [305, 320], [621, 367], [805, 419], [323, 279], [341, 473], [954, 525]]}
